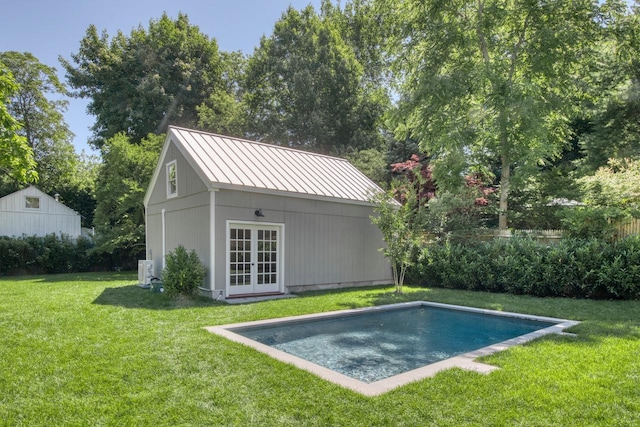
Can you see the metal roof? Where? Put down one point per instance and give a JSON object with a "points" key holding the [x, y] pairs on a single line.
{"points": [[228, 162]]}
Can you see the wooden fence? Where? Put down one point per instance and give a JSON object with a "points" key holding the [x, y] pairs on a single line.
{"points": [[542, 236], [624, 228], [628, 227]]}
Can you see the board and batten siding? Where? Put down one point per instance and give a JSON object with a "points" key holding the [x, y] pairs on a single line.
{"points": [[186, 216], [188, 180], [52, 217], [329, 240], [327, 244]]}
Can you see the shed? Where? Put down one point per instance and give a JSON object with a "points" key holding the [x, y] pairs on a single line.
{"points": [[264, 219], [32, 212]]}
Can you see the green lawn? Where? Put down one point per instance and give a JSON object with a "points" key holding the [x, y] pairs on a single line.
{"points": [[94, 349]]}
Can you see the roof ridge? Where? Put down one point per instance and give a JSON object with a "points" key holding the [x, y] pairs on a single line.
{"points": [[266, 144]]}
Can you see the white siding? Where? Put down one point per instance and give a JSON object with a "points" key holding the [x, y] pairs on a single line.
{"points": [[52, 217]]}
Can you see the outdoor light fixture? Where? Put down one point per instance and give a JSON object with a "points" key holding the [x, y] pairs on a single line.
{"points": [[258, 212]]}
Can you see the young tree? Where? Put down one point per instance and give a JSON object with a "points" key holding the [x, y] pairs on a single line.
{"points": [[42, 120], [138, 84], [401, 225], [491, 78], [16, 157]]}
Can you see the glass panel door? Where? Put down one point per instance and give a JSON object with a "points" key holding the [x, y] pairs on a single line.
{"points": [[240, 260], [267, 260], [254, 259]]}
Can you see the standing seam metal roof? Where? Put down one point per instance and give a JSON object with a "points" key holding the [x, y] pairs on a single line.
{"points": [[238, 162]]}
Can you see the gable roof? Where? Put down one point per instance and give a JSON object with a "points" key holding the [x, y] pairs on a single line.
{"points": [[6, 204], [232, 163]]}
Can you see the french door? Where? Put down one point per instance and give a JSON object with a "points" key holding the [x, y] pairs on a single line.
{"points": [[254, 258]]}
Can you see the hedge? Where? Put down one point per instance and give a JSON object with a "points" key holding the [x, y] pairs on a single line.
{"points": [[519, 265], [48, 254]]}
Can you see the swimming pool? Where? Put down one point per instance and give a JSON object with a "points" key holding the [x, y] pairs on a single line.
{"points": [[375, 349]]}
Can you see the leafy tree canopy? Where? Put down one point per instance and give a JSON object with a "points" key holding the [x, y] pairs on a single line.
{"points": [[42, 119], [16, 157], [141, 83], [224, 111], [613, 128], [615, 185], [121, 185], [490, 78], [304, 88]]}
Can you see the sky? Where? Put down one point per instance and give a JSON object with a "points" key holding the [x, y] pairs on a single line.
{"points": [[49, 29]]}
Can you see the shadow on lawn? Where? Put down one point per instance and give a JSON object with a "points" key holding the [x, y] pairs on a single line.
{"points": [[133, 296], [125, 276]]}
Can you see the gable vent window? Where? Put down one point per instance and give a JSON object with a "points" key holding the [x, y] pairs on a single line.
{"points": [[32, 202], [172, 180]]}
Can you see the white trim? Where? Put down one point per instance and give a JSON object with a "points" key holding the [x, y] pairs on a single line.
{"points": [[162, 157], [156, 172], [26, 202], [34, 191], [281, 250], [164, 240], [175, 139], [212, 239], [168, 166]]}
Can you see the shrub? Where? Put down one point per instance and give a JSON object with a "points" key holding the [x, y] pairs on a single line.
{"points": [[48, 254], [582, 268], [590, 222], [183, 273]]}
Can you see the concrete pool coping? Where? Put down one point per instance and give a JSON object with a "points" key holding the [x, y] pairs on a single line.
{"points": [[464, 361]]}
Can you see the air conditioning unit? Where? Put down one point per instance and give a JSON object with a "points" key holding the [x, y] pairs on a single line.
{"points": [[145, 272]]}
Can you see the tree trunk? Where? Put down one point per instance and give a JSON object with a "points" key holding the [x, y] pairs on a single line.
{"points": [[504, 192]]}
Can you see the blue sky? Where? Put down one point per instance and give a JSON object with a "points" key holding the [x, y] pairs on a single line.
{"points": [[49, 29]]}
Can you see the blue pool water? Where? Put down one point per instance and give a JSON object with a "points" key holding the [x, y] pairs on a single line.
{"points": [[375, 345]]}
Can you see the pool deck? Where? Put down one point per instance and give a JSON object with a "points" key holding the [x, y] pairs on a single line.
{"points": [[465, 361]]}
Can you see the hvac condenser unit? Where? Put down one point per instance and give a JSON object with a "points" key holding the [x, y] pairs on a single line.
{"points": [[145, 272]]}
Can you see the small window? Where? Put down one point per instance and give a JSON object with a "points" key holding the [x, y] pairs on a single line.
{"points": [[172, 179], [32, 202]]}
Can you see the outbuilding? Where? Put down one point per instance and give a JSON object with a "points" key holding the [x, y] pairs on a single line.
{"points": [[264, 219], [32, 212]]}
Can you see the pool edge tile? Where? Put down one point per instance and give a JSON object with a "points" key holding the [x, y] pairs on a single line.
{"points": [[466, 361]]}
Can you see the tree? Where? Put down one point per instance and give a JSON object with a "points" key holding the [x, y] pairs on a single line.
{"points": [[121, 185], [401, 225], [141, 83], [371, 163], [16, 157], [303, 89], [224, 111], [612, 127], [80, 195], [614, 185], [487, 78], [42, 120]]}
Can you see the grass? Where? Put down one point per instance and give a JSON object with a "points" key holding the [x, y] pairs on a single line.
{"points": [[94, 349]]}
